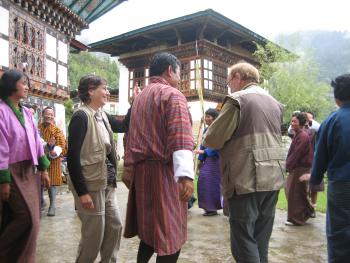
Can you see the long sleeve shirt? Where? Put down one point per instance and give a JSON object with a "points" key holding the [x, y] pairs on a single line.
{"points": [[208, 152], [77, 130], [332, 151], [300, 153], [18, 142], [221, 130]]}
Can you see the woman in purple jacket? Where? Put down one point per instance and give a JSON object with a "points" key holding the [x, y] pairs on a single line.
{"points": [[20, 151]]}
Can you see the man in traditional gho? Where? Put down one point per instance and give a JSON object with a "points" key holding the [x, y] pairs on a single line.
{"points": [[248, 135], [160, 147], [55, 148]]}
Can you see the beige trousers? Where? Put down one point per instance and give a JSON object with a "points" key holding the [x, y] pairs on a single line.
{"points": [[101, 229]]}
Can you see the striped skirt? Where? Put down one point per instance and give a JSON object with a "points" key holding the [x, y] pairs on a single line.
{"points": [[208, 186], [154, 211], [19, 235]]}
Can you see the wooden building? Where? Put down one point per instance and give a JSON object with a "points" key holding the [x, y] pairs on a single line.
{"points": [[206, 42], [35, 37]]}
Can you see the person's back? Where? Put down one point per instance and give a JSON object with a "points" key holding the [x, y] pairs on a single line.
{"points": [[148, 137], [159, 148], [332, 154], [339, 146], [248, 136], [256, 140]]}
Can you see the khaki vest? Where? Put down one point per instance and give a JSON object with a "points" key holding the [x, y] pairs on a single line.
{"points": [[251, 160], [93, 152]]}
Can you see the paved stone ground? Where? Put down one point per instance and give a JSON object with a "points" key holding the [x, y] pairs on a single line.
{"points": [[208, 237]]}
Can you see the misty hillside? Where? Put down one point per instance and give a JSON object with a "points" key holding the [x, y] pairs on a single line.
{"points": [[330, 49]]}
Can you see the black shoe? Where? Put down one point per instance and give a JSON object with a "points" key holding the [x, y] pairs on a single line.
{"points": [[313, 214], [214, 213]]}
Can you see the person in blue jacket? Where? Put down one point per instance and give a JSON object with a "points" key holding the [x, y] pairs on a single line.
{"points": [[332, 155]]}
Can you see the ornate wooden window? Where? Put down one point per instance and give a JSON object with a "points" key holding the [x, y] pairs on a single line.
{"points": [[27, 46], [185, 76], [195, 71], [137, 77], [219, 78], [208, 74], [4, 36]]}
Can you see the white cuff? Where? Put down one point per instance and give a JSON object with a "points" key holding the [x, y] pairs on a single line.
{"points": [[57, 150], [183, 164]]}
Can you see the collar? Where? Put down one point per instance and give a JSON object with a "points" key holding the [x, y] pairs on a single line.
{"points": [[17, 112], [158, 79], [94, 112], [247, 86]]}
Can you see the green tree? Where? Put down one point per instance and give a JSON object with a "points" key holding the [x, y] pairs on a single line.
{"points": [[68, 105], [89, 63], [294, 82]]}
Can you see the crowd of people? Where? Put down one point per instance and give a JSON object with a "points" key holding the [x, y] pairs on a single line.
{"points": [[240, 166]]}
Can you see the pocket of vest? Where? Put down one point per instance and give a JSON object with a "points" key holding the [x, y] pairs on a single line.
{"points": [[269, 174]]}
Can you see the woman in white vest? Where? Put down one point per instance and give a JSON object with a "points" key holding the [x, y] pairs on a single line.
{"points": [[91, 163]]}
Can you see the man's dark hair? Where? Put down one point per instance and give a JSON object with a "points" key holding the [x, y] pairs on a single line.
{"points": [[311, 112], [45, 109], [301, 118], [341, 87], [9, 81], [160, 63], [86, 83], [212, 112]]}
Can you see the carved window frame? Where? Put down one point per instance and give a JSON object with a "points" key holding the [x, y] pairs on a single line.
{"points": [[139, 76], [27, 45], [219, 77], [208, 74]]}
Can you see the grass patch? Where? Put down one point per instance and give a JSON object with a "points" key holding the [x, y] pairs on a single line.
{"points": [[321, 201]]}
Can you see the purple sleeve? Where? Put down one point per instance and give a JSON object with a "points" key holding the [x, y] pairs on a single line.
{"points": [[4, 147], [299, 150]]}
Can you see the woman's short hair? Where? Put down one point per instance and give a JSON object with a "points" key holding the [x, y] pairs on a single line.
{"points": [[212, 112], [341, 87], [160, 63], [89, 82], [301, 118], [247, 72], [9, 81]]}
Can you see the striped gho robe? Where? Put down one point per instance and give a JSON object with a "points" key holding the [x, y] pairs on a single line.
{"points": [[47, 132], [160, 124]]}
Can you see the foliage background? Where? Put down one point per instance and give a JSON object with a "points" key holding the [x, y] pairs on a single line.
{"points": [[92, 63]]}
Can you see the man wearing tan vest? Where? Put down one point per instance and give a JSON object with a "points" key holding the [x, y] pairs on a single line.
{"points": [[247, 134]]}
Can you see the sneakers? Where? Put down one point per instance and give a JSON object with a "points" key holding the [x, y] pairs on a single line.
{"points": [[214, 213], [288, 223]]}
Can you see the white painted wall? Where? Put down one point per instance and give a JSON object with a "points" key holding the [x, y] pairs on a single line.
{"points": [[123, 102], [196, 110], [60, 117]]}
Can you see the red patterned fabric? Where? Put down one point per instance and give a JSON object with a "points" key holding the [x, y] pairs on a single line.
{"points": [[160, 124]]}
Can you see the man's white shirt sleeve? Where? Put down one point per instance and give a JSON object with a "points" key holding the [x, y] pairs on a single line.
{"points": [[183, 164]]}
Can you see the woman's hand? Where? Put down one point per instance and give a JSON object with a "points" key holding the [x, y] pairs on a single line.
{"points": [[5, 192], [45, 180], [304, 177], [198, 151], [86, 202]]}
